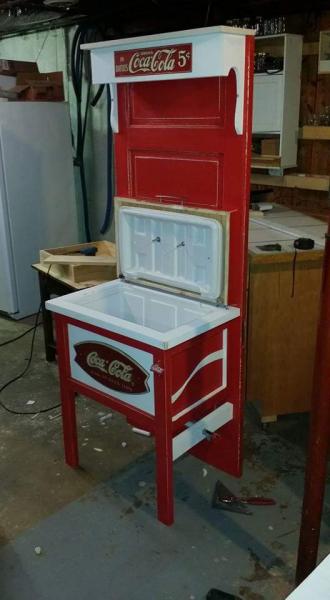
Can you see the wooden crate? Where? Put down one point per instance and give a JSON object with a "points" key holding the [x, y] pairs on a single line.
{"points": [[83, 273]]}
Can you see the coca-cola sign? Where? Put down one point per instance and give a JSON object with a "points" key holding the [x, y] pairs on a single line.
{"points": [[111, 367], [153, 61]]}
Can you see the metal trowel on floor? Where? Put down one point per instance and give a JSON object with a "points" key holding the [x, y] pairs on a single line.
{"points": [[224, 499]]}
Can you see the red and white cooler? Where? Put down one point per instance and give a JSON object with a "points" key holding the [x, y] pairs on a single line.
{"points": [[163, 343]]}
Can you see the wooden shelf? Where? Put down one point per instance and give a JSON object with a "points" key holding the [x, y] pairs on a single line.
{"points": [[309, 48], [320, 183], [265, 162], [314, 132]]}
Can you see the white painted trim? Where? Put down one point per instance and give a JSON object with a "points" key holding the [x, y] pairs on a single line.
{"points": [[216, 50], [70, 306], [195, 433], [198, 402], [144, 401], [225, 355], [122, 43], [114, 122]]}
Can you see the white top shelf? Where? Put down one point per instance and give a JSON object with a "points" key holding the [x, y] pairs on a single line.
{"points": [[158, 37], [187, 54]]}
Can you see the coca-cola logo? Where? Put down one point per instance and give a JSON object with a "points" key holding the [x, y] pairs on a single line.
{"points": [[111, 367], [153, 61]]}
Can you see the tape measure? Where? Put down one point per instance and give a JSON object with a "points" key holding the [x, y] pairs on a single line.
{"points": [[304, 244]]}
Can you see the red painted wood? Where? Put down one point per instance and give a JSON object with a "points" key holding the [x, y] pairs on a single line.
{"points": [[164, 445], [319, 435], [67, 394], [224, 451], [205, 380], [177, 144], [137, 417]]}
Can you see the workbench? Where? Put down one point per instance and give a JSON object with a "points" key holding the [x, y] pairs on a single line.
{"points": [[284, 290], [51, 285]]}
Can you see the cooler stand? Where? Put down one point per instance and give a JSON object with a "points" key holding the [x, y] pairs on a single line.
{"points": [[163, 345]]}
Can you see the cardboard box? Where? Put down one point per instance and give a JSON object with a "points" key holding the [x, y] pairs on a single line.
{"points": [[40, 86], [12, 67], [9, 69], [270, 146], [7, 81]]}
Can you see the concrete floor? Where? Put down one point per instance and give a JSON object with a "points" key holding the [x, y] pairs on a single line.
{"points": [[96, 526]]}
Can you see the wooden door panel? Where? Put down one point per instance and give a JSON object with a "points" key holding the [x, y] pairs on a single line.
{"points": [[174, 106], [177, 178]]}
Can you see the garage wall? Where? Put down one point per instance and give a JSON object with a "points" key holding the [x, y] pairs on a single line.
{"points": [[313, 155], [51, 50]]}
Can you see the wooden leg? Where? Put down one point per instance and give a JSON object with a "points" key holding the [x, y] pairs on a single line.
{"points": [[164, 448], [67, 395], [318, 452], [69, 428], [164, 466], [47, 318]]}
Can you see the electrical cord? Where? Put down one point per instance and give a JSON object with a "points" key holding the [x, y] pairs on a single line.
{"points": [[18, 337], [25, 370], [294, 262]]}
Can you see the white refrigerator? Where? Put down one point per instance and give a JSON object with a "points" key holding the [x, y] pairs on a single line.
{"points": [[37, 196]]}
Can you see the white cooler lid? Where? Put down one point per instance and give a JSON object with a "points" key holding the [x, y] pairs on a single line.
{"points": [[178, 250]]}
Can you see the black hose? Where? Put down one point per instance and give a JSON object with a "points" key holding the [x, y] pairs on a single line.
{"points": [[98, 95], [108, 209], [81, 35], [77, 64]]}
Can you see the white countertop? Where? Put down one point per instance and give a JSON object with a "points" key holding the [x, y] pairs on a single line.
{"points": [[316, 586], [282, 225]]}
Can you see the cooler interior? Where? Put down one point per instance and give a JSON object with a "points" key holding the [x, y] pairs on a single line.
{"points": [[160, 311]]}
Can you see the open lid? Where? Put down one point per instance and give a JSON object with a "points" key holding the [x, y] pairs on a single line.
{"points": [[183, 252]]}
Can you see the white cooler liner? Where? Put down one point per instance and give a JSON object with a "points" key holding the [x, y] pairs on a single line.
{"points": [[158, 318]]}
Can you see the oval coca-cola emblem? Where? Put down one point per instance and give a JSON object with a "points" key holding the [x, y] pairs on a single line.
{"points": [[153, 61], [111, 367]]}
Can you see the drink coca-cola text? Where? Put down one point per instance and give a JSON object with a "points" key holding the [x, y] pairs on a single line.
{"points": [[115, 367], [153, 61], [111, 367]]}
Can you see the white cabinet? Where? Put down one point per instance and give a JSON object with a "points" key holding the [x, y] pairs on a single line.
{"points": [[268, 103], [276, 102]]}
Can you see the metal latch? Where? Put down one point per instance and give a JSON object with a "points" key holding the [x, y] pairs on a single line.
{"points": [[156, 368]]}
